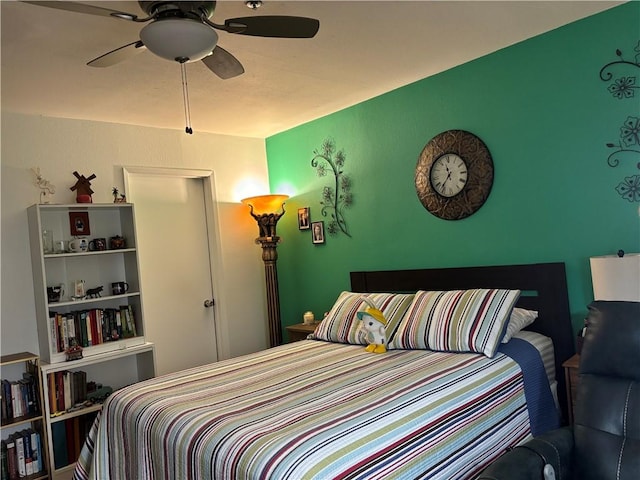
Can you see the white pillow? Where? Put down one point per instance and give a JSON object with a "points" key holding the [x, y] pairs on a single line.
{"points": [[519, 319]]}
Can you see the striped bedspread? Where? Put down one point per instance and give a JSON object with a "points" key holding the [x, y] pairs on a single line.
{"points": [[313, 410]]}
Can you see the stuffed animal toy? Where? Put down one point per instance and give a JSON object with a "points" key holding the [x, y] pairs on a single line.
{"points": [[374, 324]]}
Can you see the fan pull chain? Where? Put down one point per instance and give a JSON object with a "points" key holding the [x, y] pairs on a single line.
{"points": [[185, 98]]}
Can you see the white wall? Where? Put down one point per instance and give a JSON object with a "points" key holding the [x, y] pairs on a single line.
{"points": [[61, 146]]}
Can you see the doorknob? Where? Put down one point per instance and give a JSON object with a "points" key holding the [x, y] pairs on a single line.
{"points": [[209, 303]]}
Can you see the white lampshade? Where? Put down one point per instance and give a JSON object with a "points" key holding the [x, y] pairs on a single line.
{"points": [[616, 278], [176, 39]]}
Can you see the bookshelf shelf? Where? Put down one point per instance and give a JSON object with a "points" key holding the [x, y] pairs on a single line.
{"points": [[15, 422], [76, 413], [33, 422], [48, 256], [99, 358], [93, 301], [109, 328], [36, 476]]}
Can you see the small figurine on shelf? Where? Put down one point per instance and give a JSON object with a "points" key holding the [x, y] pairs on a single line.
{"points": [[74, 352], [116, 242], [46, 187], [118, 199], [79, 289], [100, 394], [94, 292], [83, 188]]}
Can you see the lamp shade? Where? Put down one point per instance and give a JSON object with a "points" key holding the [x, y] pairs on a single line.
{"points": [[616, 278], [179, 39], [265, 203]]}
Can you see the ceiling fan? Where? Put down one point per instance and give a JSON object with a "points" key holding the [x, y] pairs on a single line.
{"points": [[183, 32]]}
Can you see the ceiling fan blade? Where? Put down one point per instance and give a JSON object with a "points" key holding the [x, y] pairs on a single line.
{"points": [[90, 9], [118, 55], [281, 26], [223, 64]]}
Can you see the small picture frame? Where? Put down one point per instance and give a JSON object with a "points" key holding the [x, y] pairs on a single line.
{"points": [[304, 219], [79, 224], [317, 232]]}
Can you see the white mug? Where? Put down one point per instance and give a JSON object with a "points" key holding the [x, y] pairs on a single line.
{"points": [[78, 245]]}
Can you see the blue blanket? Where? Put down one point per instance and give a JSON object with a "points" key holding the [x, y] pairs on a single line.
{"points": [[536, 385]]}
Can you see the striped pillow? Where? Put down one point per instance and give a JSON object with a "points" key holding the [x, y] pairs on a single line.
{"points": [[341, 324], [520, 318], [456, 321]]}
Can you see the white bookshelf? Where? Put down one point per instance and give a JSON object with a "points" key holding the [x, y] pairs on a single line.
{"points": [[118, 357]]}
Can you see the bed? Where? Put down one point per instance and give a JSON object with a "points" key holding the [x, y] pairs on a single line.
{"points": [[326, 409]]}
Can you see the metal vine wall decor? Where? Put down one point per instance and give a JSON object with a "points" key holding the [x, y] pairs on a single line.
{"points": [[337, 197], [624, 87]]}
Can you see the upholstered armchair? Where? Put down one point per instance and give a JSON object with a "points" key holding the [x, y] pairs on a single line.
{"points": [[604, 441]]}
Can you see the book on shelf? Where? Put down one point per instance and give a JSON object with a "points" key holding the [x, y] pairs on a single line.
{"points": [[22, 471], [17, 400], [53, 403], [59, 438], [87, 327], [22, 454], [54, 331], [7, 400], [4, 466], [91, 327], [36, 450], [69, 437], [4, 470], [67, 389], [12, 459], [20, 397], [28, 453], [129, 323], [3, 402]]}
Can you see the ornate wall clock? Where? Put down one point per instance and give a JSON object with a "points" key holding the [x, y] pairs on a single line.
{"points": [[454, 174]]}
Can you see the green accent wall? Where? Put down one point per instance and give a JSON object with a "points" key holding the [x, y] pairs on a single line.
{"points": [[545, 116]]}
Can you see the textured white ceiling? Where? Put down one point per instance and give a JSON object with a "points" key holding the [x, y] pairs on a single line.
{"points": [[363, 49]]}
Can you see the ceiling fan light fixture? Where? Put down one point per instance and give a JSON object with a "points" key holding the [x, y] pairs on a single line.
{"points": [[179, 39]]}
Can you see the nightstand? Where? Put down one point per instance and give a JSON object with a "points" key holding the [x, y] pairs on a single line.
{"points": [[571, 378], [300, 331]]}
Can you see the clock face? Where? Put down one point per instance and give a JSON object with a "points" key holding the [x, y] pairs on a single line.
{"points": [[448, 175], [454, 175]]}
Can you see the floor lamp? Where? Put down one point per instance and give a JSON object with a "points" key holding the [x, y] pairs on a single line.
{"points": [[266, 211]]}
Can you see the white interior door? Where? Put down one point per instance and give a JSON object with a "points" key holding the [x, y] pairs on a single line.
{"points": [[175, 267]]}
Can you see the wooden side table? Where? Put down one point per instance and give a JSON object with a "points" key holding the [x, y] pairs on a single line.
{"points": [[571, 379], [300, 331]]}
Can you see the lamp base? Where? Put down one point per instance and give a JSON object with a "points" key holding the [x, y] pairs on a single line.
{"points": [[269, 257]]}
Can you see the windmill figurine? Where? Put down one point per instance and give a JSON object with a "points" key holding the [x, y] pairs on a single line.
{"points": [[83, 188]]}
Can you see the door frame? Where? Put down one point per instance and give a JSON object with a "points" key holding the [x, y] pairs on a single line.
{"points": [[207, 177]]}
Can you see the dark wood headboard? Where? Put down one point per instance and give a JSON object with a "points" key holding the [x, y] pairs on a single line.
{"points": [[543, 286]]}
